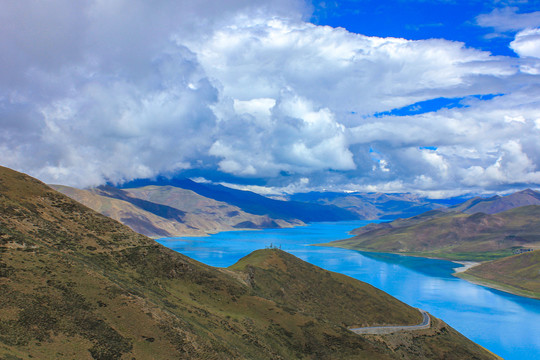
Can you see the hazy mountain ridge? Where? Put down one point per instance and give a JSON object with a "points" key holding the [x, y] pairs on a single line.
{"points": [[76, 284], [372, 206], [498, 203]]}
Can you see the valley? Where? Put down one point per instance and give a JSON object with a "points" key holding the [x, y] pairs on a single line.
{"points": [[76, 284]]}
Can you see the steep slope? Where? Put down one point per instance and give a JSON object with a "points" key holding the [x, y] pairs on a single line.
{"points": [[498, 204], [518, 274], [455, 236], [254, 203], [169, 211], [75, 284]]}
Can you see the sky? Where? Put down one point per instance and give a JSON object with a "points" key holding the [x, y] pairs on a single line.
{"points": [[437, 97]]}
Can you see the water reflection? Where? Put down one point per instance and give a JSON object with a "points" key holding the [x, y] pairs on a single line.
{"points": [[431, 267]]}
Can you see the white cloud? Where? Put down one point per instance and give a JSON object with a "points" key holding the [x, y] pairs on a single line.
{"points": [[507, 19], [527, 43], [116, 90], [322, 64]]}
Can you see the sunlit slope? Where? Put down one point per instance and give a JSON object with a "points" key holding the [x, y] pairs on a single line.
{"points": [[518, 274], [77, 285], [302, 289], [168, 211], [138, 219], [452, 235], [289, 280]]}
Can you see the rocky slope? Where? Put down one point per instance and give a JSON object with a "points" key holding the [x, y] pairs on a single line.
{"points": [[76, 284]]}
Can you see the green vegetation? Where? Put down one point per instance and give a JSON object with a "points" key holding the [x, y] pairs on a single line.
{"points": [[455, 236], [77, 285], [477, 237], [518, 274]]}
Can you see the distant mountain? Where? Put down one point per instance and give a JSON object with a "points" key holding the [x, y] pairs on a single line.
{"points": [[253, 203], [169, 211], [518, 274], [497, 203], [452, 235], [78, 285], [142, 221], [371, 206]]}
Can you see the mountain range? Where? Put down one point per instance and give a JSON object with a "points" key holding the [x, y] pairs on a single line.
{"points": [[498, 203], [372, 206], [182, 207], [76, 284], [164, 211]]}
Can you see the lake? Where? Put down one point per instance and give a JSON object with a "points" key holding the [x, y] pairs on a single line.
{"points": [[506, 324]]}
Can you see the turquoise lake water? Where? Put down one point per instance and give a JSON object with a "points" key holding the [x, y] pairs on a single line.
{"points": [[507, 325]]}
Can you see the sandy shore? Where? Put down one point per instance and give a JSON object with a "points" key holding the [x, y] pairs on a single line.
{"points": [[465, 265]]}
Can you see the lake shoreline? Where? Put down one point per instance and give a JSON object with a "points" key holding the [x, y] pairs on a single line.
{"points": [[465, 265], [495, 285], [459, 272]]}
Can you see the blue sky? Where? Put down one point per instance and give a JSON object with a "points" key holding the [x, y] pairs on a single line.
{"points": [[435, 97], [421, 19]]}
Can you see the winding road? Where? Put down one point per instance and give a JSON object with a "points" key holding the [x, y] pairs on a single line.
{"points": [[379, 330]]}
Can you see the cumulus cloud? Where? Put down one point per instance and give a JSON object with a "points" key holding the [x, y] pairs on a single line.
{"points": [[96, 91], [323, 64], [527, 43]]}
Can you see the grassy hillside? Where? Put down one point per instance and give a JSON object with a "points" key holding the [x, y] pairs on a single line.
{"points": [[454, 235], [518, 274], [77, 285]]}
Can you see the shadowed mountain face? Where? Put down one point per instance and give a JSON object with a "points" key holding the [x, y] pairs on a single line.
{"points": [[257, 204], [75, 284], [163, 211]]}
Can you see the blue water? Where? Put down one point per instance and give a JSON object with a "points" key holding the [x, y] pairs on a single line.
{"points": [[507, 325]]}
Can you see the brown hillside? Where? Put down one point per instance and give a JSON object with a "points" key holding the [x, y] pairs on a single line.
{"points": [[77, 285], [453, 235], [519, 274]]}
